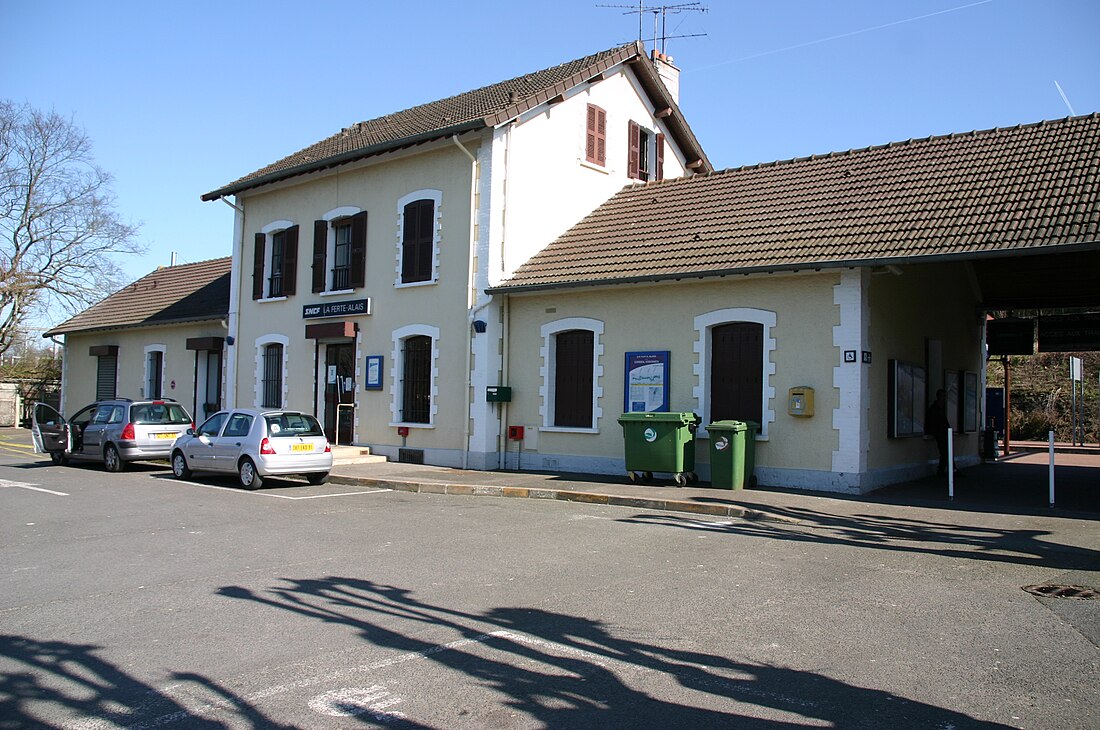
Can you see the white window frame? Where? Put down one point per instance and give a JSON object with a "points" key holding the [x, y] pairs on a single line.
{"points": [[261, 342], [704, 324], [397, 370], [336, 214], [163, 350], [436, 196], [548, 353], [269, 232]]}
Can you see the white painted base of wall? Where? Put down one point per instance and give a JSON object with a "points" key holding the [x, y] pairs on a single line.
{"points": [[810, 480]]}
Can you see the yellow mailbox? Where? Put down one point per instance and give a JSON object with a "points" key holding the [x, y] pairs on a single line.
{"points": [[800, 401]]}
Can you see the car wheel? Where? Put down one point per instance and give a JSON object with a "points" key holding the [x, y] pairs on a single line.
{"points": [[317, 477], [59, 458], [112, 462], [249, 478], [180, 470]]}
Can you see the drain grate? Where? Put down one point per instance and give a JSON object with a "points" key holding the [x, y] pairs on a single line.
{"points": [[1059, 591]]}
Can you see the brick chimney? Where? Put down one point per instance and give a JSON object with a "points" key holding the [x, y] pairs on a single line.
{"points": [[669, 74]]}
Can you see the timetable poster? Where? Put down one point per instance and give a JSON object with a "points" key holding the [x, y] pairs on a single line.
{"points": [[646, 382]]}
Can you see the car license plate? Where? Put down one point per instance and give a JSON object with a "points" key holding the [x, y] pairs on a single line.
{"points": [[301, 447], [164, 435]]}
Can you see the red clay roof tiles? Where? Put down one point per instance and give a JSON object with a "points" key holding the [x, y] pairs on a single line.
{"points": [[173, 294], [976, 193], [480, 108]]}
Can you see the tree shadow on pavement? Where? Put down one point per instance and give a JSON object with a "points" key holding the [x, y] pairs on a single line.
{"points": [[900, 534], [59, 684], [563, 671]]}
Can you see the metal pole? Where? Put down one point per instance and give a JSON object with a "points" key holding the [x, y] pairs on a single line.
{"points": [[1050, 438], [1073, 402], [951, 463], [1008, 402]]}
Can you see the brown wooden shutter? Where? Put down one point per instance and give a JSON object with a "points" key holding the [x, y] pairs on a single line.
{"points": [[633, 152], [290, 261], [595, 138], [590, 135], [358, 274], [320, 251], [736, 379], [601, 136], [660, 172], [573, 379], [258, 267]]}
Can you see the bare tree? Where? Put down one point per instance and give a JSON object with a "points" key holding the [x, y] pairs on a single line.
{"points": [[58, 224]]}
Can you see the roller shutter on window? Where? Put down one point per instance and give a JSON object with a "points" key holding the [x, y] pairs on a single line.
{"points": [[106, 376]]}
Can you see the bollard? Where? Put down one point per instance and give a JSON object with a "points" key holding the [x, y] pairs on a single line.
{"points": [[1050, 440], [950, 463]]}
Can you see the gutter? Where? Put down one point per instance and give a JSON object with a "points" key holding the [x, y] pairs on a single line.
{"points": [[805, 266]]}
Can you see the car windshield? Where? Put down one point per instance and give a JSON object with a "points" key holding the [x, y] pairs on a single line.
{"points": [[293, 424], [159, 413]]}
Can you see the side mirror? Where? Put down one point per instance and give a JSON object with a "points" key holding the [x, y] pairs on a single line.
{"points": [[190, 432]]}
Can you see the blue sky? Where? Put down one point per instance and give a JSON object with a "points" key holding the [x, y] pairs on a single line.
{"points": [[181, 98]]}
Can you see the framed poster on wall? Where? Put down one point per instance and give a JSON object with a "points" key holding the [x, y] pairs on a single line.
{"points": [[969, 403], [907, 392], [646, 382], [373, 379]]}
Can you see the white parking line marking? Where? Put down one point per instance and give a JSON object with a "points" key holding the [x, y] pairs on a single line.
{"points": [[237, 490], [352, 701], [5, 484]]}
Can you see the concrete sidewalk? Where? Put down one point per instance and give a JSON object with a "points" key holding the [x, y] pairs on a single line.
{"points": [[1009, 489]]}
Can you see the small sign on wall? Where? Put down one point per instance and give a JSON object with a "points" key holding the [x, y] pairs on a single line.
{"points": [[373, 373]]}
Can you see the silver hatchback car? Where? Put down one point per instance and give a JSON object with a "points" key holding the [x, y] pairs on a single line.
{"points": [[114, 431], [255, 444]]}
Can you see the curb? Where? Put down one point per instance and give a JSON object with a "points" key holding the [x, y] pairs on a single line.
{"points": [[664, 505]]}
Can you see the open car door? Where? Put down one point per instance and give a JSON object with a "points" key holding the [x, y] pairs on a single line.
{"points": [[50, 432]]}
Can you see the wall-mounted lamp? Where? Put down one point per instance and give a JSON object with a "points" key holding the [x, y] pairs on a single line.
{"points": [[480, 326]]}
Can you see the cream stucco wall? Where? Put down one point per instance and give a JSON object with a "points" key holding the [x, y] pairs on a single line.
{"points": [[80, 368], [442, 172], [662, 317]]}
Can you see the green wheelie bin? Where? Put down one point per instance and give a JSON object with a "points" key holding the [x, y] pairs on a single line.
{"points": [[732, 454], [663, 442]]}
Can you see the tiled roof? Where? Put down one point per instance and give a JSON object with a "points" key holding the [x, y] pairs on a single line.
{"points": [[477, 109], [185, 293], [964, 195]]}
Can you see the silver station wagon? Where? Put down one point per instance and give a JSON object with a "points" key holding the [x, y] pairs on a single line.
{"points": [[114, 431], [255, 444]]}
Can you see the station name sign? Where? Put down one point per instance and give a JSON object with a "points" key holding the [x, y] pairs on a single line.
{"points": [[345, 308]]}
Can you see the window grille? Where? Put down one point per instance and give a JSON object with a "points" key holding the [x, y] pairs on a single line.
{"points": [[273, 376], [416, 381]]}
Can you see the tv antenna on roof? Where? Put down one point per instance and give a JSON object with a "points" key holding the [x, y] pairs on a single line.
{"points": [[660, 17]]}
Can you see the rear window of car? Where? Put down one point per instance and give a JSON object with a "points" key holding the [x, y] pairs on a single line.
{"points": [[159, 413], [293, 424]]}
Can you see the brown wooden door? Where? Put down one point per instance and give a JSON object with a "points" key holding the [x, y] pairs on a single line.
{"points": [[736, 371]]}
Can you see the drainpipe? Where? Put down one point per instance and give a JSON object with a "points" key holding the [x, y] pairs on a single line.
{"points": [[502, 435], [471, 283], [234, 308]]}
